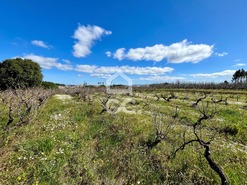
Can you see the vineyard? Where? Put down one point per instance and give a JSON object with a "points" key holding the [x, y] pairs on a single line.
{"points": [[86, 136]]}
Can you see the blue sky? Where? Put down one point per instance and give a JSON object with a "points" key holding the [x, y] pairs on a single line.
{"points": [[150, 41]]}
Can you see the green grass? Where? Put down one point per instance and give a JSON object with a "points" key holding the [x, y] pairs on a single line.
{"points": [[72, 142]]}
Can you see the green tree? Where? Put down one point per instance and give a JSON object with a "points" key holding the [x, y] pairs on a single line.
{"points": [[19, 73], [242, 75], [236, 76]]}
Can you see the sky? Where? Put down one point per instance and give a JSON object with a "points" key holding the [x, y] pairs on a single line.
{"points": [[149, 41]]}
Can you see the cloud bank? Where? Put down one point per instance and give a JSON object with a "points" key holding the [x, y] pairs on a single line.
{"points": [[162, 78], [105, 71], [86, 36], [175, 53], [225, 73]]}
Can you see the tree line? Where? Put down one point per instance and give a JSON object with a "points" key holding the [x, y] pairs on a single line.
{"points": [[24, 73]]}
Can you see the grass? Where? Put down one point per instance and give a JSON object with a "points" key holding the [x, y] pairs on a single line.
{"points": [[72, 142]]}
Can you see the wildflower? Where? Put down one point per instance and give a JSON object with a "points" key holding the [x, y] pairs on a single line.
{"points": [[60, 151]]}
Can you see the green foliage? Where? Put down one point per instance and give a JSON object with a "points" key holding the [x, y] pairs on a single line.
{"points": [[19, 73], [240, 76], [49, 85]]}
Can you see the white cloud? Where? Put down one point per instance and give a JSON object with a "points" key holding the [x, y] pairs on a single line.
{"points": [[119, 54], [48, 63], [86, 68], [86, 36], [155, 53], [175, 53], [64, 67], [108, 54], [225, 73], [221, 54], [40, 43], [237, 60], [239, 65], [162, 78], [123, 69]]}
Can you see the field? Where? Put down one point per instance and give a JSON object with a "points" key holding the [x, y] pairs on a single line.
{"points": [[158, 136]]}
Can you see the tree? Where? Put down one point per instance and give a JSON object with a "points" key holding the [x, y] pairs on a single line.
{"points": [[236, 76], [242, 75], [239, 76], [19, 73], [49, 85]]}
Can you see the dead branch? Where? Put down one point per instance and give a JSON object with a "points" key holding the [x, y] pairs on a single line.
{"points": [[199, 100], [104, 102], [169, 97], [219, 101], [157, 96], [161, 128], [10, 115], [146, 103], [206, 114], [176, 113]]}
